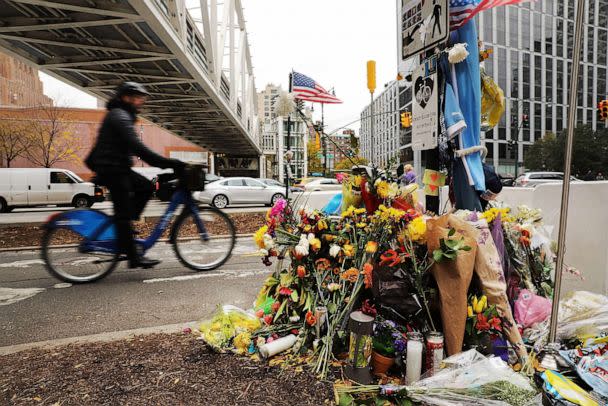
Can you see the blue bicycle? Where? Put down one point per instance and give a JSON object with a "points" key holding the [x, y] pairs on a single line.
{"points": [[80, 246]]}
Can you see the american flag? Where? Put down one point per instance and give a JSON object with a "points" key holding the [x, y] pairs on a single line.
{"points": [[304, 88], [461, 11]]}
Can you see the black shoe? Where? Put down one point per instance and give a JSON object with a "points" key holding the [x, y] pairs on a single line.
{"points": [[143, 262]]}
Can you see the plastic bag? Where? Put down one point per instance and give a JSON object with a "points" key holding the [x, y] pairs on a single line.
{"points": [[591, 364], [228, 322], [582, 313], [492, 102], [557, 384], [531, 308], [488, 381]]}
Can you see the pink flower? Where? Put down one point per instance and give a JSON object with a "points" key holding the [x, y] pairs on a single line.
{"points": [[278, 207]]}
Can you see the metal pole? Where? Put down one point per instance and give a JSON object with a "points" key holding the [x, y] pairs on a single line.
{"points": [[288, 164], [561, 239], [371, 127], [324, 141]]}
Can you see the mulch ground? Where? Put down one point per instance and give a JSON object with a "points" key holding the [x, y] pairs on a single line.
{"points": [[31, 235], [157, 369]]}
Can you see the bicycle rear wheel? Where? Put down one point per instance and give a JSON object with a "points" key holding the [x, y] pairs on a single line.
{"points": [[66, 258], [203, 242]]}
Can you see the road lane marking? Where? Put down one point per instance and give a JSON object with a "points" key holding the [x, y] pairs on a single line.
{"points": [[10, 295], [229, 274], [22, 264]]}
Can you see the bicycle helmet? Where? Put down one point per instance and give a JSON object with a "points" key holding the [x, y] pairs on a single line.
{"points": [[131, 88]]}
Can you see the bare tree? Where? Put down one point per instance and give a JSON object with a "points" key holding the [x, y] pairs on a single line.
{"points": [[52, 138], [14, 140]]}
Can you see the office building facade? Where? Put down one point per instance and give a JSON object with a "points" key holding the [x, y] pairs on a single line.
{"points": [[532, 47]]}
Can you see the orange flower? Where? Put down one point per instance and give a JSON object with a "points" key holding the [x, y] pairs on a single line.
{"points": [[371, 247], [367, 274], [350, 275], [336, 270], [322, 264], [301, 271], [311, 320]]}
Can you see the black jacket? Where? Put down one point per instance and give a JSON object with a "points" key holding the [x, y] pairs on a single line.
{"points": [[117, 142]]}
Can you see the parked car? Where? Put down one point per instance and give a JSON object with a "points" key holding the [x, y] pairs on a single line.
{"points": [[229, 191], [29, 187], [322, 184], [166, 184], [274, 182], [532, 179]]}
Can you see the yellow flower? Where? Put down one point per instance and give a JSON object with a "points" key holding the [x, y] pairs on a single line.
{"points": [[491, 214], [349, 250], [315, 244], [371, 247], [259, 236], [469, 311], [382, 189], [307, 228], [242, 341], [416, 229], [348, 212], [361, 225], [322, 225], [360, 210], [356, 180]]}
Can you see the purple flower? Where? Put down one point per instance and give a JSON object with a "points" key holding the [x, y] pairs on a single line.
{"points": [[391, 323], [399, 345]]}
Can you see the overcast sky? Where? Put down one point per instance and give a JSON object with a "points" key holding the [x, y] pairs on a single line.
{"points": [[328, 40]]}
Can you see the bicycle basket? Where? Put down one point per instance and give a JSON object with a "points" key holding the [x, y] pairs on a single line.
{"points": [[194, 177]]}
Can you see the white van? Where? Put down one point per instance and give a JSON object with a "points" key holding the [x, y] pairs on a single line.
{"points": [[26, 187]]}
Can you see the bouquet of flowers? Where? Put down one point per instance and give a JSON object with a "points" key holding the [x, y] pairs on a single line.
{"points": [[483, 323]]}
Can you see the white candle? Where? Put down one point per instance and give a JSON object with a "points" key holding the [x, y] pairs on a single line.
{"points": [[413, 362], [277, 346]]}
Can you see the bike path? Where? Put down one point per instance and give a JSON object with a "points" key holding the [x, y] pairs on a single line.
{"points": [[42, 308]]}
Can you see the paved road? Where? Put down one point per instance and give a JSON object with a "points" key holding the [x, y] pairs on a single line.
{"points": [[126, 299], [41, 214]]}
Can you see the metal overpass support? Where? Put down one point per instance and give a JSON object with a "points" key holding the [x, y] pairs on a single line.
{"points": [[97, 44]]}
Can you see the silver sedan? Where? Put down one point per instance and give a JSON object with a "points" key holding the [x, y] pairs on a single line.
{"points": [[230, 191]]}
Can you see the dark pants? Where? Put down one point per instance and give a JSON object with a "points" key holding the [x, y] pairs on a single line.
{"points": [[130, 192]]}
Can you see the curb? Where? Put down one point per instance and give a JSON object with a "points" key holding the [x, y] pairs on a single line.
{"points": [[94, 338], [38, 247]]}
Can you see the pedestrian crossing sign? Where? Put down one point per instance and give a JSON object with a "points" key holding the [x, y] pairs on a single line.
{"points": [[424, 25]]}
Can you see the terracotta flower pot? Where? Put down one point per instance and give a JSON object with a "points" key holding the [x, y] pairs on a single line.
{"points": [[380, 363]]}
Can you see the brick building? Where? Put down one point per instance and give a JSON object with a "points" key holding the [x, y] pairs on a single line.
{"points": [[22, 100]]}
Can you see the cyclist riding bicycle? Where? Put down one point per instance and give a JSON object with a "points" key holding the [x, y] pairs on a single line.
{"points": [[111, 160]]}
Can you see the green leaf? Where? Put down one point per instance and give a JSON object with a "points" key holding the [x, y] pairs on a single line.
{"points": [[280, 311], [437, 255], [286, 280], [466, 248], [451, 232], [332, 308], [294, 296], [451, 243], [346, 400]]}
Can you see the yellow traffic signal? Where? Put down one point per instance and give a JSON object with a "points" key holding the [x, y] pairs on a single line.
{"points": [[317, 140], [371, 76], [406, 119]]}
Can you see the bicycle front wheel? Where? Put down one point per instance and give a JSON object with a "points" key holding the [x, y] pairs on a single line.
{"points": [[67, 258], [205, 241]]}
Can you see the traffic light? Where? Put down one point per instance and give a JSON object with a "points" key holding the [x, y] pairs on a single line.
{"points": [[406, 119], [525, 121], [317, 140], [602, 110]]}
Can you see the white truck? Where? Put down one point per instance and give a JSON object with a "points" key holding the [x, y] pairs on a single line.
{"points": [[28, 187]]}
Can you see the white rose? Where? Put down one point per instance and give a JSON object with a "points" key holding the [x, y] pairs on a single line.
{"points": [[268, 241], [263, 252], [334, 250], [301, 250]]}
